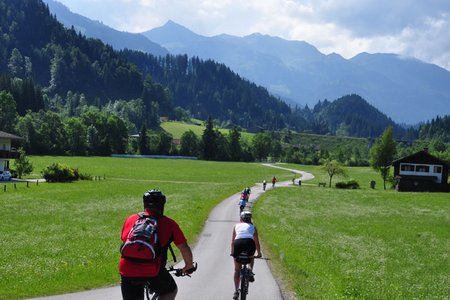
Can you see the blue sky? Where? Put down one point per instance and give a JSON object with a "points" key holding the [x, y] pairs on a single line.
{"points": [[417, 28]]}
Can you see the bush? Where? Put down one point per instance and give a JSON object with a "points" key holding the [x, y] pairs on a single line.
{"points": [[57, 172], [352, 184]]}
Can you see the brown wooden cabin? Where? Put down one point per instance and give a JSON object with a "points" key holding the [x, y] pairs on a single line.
{"points": [[421, 172]]}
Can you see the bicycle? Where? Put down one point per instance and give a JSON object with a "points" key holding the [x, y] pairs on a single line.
{"points": [[151, 295], [246, 274]]}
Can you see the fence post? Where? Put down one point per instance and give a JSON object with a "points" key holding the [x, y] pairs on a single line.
{"points": [[28, 183], [4, 188]]}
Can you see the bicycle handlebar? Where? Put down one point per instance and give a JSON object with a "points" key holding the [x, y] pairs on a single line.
{"points": [[181, 273]]}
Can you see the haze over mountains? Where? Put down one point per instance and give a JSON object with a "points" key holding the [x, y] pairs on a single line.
{"points": [[407, 90], [96, 29]]}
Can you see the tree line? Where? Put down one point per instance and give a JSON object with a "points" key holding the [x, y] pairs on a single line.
{"points": [[84, 98]]}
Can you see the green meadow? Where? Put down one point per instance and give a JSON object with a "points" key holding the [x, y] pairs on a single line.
{"points": [[322, 243], [62, 237], [357, 244], [178, 128]]}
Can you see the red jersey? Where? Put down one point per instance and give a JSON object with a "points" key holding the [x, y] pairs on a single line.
{"points": [[168, 231]]}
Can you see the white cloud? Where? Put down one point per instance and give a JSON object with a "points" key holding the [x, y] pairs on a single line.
{"points": [[348, 27]]}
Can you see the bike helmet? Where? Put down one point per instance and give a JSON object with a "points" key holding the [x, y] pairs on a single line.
{"points": [[246, 216], [154, 199]]}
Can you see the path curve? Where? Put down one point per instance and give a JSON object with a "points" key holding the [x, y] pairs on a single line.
{"points": [[213, 279]]}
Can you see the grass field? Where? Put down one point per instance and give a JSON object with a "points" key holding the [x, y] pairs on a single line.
{"points": [[324, 243], [57, 238], [178, 128], [358, 244]]}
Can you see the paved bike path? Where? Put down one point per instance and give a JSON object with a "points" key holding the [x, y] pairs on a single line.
{"points": [[214, 277]]}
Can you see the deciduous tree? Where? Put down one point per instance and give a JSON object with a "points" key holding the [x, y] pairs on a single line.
{"points": [[22, 164], [333, 167], [189, 144], [382, 154]]}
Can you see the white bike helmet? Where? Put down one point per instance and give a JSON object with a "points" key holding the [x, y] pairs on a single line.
{"points": [[246, 216]]}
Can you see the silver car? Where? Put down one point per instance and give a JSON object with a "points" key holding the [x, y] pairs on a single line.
{"points": [[5, 176]]}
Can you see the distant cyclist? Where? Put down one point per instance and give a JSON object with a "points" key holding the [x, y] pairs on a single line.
{"points": [[244, 239], [242, 204], [274, 180], [246, 192]]}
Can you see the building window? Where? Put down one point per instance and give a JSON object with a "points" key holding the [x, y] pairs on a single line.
{"points": [[437, 169], [422, 168], [409, 168]]}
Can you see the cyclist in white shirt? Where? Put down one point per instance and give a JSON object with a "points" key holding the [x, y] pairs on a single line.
{"points": [[244, 239]]}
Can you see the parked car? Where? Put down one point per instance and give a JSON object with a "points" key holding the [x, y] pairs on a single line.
{"points": [[5, 175]]}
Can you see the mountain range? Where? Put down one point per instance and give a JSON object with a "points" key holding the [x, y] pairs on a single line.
{"points": [[117, 39], [406, 89]]}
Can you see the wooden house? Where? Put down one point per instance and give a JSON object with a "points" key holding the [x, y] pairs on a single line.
{"points": [[421, 172], [6, 151]]}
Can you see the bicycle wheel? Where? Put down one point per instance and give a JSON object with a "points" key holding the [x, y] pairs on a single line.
{"points": [[244, 283]]}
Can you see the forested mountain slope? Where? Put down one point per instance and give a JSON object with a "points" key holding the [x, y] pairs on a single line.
{"points": [[296, 70], [33, 44], [95, 29]]}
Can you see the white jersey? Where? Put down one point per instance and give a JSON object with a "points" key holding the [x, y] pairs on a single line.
{"points": [[244, 230]]}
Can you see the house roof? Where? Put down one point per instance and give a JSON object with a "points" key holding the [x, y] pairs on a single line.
{"points": [[422, 157], [5, 135]]}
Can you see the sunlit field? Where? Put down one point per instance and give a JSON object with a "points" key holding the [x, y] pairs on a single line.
{"points": [[357, 244], [323, 243], [63, 237]]}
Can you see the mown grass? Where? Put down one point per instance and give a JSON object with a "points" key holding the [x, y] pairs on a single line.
{"points": [[57, 238], [357, 244], [363, 175], [178, 128], [325, 243]]}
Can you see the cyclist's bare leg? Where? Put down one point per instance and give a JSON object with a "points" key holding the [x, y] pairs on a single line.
{"points": [[237, 271], [169, 296]]}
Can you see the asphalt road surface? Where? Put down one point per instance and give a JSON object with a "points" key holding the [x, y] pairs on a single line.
{"points": [[214, 276]]}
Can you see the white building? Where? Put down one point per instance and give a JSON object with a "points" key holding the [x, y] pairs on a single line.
{"points": [[6, 151]]}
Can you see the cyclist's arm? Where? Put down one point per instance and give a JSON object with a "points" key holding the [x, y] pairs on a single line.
{"points": [[186, 253], [258, 247], [233, 236]]}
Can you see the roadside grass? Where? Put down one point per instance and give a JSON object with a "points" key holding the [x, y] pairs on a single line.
{"points": [[363, 175], [324, 243], [357, 244], [64, 237]]}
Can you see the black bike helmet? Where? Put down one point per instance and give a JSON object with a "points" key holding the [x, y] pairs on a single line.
{"points": [[246, 216], [154, 199]]}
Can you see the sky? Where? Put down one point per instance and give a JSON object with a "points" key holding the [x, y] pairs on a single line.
{"points": [[412, 28]]}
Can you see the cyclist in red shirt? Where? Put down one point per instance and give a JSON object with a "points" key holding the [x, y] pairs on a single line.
{"points": [[135, 274]]}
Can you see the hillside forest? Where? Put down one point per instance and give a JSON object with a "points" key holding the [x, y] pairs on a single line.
{"points": [[66, 94]]}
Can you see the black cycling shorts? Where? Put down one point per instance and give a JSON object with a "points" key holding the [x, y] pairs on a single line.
{"points": [[133, 287], [244, 245]]}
